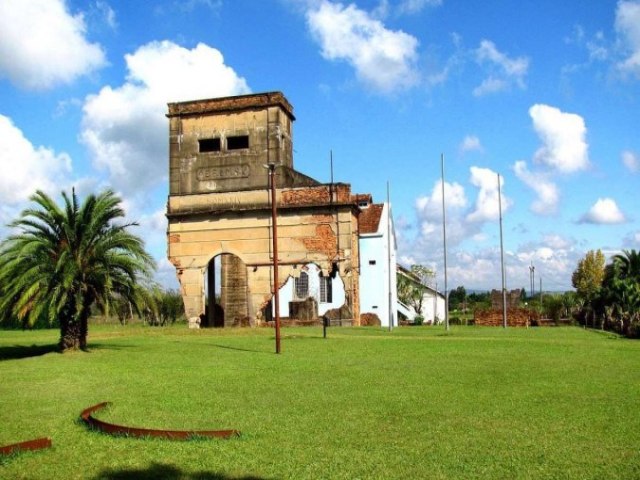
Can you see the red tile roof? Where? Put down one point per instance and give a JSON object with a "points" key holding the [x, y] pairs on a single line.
{"points": [[369, 218]]}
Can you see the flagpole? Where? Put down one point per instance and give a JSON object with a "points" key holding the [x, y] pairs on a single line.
{"points": [[444, 241], [391, 307], [504, 287]]}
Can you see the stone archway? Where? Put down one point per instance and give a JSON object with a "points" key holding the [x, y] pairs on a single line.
{"points": [[226, 292]]}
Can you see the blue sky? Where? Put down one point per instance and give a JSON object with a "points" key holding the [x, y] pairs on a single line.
{"points": [[544, 93]]}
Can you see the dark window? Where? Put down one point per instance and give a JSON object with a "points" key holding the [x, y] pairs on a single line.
{"points": [[238, 143], [372, 262], [326, 290], [301, 286], [209, 145]]}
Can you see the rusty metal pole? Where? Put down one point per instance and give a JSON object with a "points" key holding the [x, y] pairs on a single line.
{"points": [[274, 223]]}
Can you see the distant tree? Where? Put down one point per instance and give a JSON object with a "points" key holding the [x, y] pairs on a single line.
{"points": [[569, 303], [619, 299], [587, 279], [552, 306], [457, 298], [64, 259], [628, 264], [479, 300], [588, 276], [162, 307]]}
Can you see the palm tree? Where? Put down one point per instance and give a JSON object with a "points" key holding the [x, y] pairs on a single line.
{"points": [[628, 264], [64, 259]]}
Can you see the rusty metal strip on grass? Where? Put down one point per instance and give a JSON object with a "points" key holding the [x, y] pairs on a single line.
{"points": [[114, 429], [37, 444]]}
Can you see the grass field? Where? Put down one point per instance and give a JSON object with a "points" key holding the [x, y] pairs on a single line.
{"points": [[554, 403]]}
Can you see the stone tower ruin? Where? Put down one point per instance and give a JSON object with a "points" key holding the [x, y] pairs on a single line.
{"points": [[219, 210]]}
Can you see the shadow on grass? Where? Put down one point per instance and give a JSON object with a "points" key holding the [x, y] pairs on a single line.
{"points": [[226, 347], [17, 352], [166, 472], [107, 346]]}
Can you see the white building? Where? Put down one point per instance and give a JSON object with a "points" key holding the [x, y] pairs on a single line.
{"points": [[378, 291], [433, 302]]}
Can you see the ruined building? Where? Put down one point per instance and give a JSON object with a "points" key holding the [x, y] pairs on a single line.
{"points": [[219, 214]]}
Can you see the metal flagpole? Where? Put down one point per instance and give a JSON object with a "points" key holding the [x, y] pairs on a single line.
{"points": [[504, 287], [444, 241], [391, 307]]}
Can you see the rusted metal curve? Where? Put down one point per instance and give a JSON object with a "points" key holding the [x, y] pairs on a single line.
{"points": [[37, 444], [114, 429]]}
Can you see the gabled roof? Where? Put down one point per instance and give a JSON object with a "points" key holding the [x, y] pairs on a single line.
{"points": [[413, 277], [369, 218]]}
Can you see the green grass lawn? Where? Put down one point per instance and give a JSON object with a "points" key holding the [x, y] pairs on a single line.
{"points": [[555, 403]]}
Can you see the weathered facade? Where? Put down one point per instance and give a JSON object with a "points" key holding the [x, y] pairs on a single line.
{"points": [[219, 205]]}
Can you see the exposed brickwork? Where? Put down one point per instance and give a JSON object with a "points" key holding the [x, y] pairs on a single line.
{"points": [[227, 104], [513, 299], [362, 198], [324, 241], [320, 195], [516, 317], [369, 320]]}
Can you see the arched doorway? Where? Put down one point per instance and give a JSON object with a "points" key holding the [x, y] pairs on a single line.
{"points": [[226, 292]]}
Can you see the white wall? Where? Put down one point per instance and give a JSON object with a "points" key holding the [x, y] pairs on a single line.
{"points": [[375, 266], [287, 292], [433, 307]]}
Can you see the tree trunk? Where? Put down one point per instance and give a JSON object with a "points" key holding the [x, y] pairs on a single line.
{"points": [[84, 330], [73, 333], [69, 335]]}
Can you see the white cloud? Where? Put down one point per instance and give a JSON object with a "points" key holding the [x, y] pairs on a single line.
{"points": [[453, 63], [547, 191], [504, 71], [627, 27], [470, 143], [632, 240], [42, 45], [107, 13], [631, 161], [429, 213], [564, 147], [26, 168], [190, 5], [411, 7], [487, 203], [430, 207], [125, 127], [463, 223], [383, 59], [604, 211], [557, 242], [490, 85]]}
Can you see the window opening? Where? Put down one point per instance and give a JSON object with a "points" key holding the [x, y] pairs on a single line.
{"points": [[372, 262], [238, 142], [326, 290], [301, 286], [209, 145]]}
